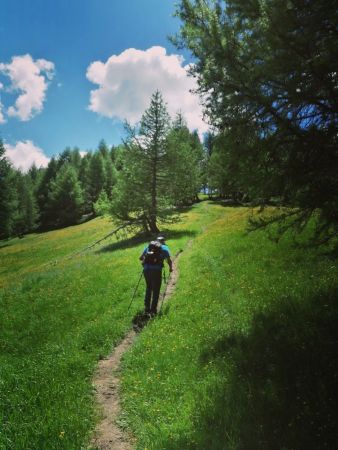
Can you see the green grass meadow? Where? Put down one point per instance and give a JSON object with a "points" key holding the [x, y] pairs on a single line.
{"points": [[243, 356], [58, 316]]}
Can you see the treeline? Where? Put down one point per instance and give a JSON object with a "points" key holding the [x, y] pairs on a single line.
{"points": [[55, 196], [129, 181], [267, 78]]}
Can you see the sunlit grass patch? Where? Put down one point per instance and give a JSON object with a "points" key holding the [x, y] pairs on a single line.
{"points": [[33, 252]]}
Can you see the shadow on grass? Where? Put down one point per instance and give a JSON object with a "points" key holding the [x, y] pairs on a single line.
{"points": [[145, 239], [140, 320], [277, 387], [228, 203], [123, 244], [4, 244], [176, 234]]}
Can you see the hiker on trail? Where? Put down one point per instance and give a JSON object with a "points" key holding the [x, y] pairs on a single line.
{"points": [[152, 259]]}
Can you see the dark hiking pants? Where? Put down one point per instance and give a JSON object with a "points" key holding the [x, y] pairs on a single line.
{"points": [[153, 280]]}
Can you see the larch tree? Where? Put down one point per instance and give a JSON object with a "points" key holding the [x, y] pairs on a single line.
{"points": [[267, 75], [142, 192]]}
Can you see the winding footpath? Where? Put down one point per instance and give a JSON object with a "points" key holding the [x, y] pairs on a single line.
{"points": [[108, 435]]}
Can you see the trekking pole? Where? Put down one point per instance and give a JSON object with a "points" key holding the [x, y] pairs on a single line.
{"points": [[135, 290]]}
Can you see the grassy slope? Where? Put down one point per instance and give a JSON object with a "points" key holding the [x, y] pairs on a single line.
{"points": [[246, 356], [55, 322], [210, 370]]}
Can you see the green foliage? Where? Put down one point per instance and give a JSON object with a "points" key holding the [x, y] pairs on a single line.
{"points": [[102, 205], [266, 73], [110, 176], [27, 211], [96, 176], [141, 192], [185, 155], [103, 149], [7, 195], [158, 168], [65, 197], [64, 157], [129, 196], [35, 202], [84, 180], [43, 189], [75, 158], [222, 172]]}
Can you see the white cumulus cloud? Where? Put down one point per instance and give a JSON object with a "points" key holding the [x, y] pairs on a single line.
{"points": [[24, 153], [30, 79], [127, 81]]}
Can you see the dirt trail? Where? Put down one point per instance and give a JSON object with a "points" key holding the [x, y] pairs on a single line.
{"points": [[108, 435]]}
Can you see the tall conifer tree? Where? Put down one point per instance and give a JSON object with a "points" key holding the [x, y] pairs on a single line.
{"points": [[142, 183], [96, 176], [7, 195], [43, 190], [65, 198], [26, 218], [185, 154]]}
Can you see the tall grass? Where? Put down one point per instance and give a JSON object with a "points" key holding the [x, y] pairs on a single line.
{"points": [[245, 355]]}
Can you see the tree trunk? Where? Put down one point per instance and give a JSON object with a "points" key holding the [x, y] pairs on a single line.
{"points": [[153, 212], [152, 225]]}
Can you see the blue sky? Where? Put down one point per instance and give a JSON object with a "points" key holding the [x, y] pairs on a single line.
{"points": [[72, 71]]}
